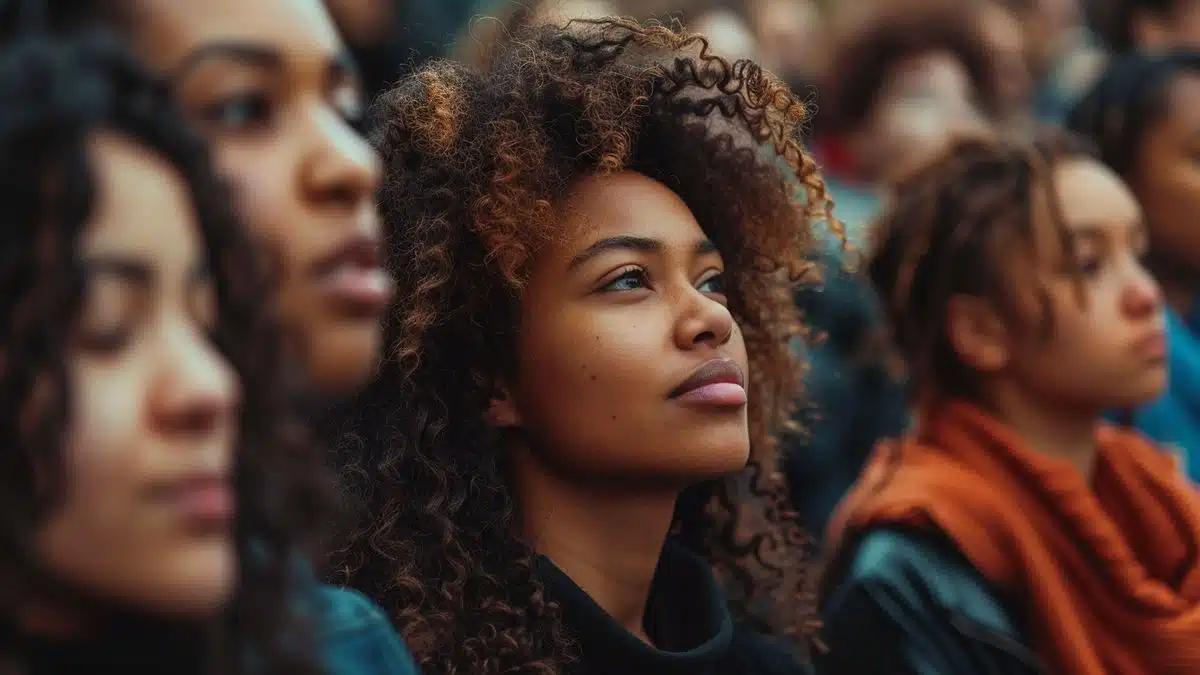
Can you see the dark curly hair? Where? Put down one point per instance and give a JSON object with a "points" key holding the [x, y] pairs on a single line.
{"points": [[1128, 100], [54, 96], [953, 228], [865, 51], [476, 165]]}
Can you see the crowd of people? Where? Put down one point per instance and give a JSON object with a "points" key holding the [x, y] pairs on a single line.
{"points": [[580, 337]]}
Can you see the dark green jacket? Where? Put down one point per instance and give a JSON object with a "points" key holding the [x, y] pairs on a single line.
{"points": [[906, 603]]}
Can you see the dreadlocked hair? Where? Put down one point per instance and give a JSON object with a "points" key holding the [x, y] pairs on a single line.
{"points": [[953, 228], [1127, 101], [54, 96], [476, 164]]}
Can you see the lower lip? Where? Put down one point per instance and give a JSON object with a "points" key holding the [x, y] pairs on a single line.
{"points": [[725, 394], [362, 291], [208, 503]]}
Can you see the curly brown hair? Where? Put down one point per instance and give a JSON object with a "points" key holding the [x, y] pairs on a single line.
{"points": [[476, 165], [953, 227], [866, 50], [54, 96]]}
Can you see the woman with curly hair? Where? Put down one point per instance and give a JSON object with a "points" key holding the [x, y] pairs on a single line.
{"points": [[156, 495], [598, 239], [273, 88], [1012, 531]]}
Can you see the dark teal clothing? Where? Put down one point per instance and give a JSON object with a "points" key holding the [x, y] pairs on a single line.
{"points": [[356, 636], [686, 618], [908, 603], [1174, 418]]}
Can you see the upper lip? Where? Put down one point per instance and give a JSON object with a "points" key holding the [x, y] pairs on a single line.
{"points": [[713, 372], [361, 250]]}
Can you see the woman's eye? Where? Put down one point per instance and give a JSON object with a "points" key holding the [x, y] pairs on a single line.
{"points": [[630, 280], [714, 284], [240, 112]]}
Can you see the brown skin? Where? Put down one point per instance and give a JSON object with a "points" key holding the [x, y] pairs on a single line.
{"points": [[599, 470], [154, 401], [1177, 29], [278, 111], [1166, 179], [924, 100], [1100, 354]]}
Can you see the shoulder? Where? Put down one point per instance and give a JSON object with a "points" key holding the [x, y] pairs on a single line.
{"points": [[912, 598], [356, 636]]}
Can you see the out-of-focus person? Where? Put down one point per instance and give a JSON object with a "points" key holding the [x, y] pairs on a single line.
{"points": [[1060, 51], [1146, 25], [903, 77], [1012, 531], [1006, 37], [1144, 115], [488, 31], [792, 42]]}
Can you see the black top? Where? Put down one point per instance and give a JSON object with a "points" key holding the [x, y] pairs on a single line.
{"points": [[903, 602], [123, 644], [686, 618]]}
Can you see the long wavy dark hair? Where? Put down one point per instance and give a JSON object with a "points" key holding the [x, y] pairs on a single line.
{"points": [[55, 95], [476, 164]]}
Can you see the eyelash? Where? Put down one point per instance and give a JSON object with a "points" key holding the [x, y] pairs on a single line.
{"points": [[639, 274]]}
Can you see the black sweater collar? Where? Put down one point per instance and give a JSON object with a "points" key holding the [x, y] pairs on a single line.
{"points": [[686, 617]]}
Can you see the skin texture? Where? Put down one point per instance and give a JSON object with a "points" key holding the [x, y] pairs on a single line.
{"points": [[280, 108], [1166, 179], [1095, 358], [154, 402], [620, 329]]}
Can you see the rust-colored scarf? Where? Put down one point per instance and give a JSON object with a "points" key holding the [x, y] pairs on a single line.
{"points": [[1109, 573]]}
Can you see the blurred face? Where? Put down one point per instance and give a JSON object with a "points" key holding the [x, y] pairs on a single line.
{"points": [[631, 366], [1166, 177], [147, 519], [924, 101], [1107, 351], [270, 83], [790, 38], [1176, 29], [1007, 42]]}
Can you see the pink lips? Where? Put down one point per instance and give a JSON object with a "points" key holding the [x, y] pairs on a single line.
{"points": [[353, 277], [719, 382]]}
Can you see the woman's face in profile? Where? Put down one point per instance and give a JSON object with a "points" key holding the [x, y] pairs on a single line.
{"points": [[146, 520], [630, 363], [274, 88]]}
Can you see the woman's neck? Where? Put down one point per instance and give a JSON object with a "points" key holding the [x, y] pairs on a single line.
{"points": [[608, 540], [1052, 430]]}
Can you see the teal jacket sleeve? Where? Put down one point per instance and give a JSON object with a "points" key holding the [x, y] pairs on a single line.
{"points": [[357, 638]]}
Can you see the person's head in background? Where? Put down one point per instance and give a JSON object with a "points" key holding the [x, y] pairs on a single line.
{"points": [[1011, 277], [155, 496], [273, 87], [1006, 37], [1051, 27], [903, 76], [791, 38], [487, 32], [1146, 25], [1144, 115]]}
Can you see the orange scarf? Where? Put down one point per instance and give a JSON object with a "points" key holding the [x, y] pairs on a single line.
{"points": [[1109, 574]]}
